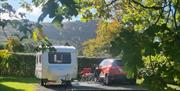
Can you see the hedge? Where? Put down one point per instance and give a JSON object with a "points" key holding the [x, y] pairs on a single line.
{"points": [[24, 65], [17, 65], [88, 62]]}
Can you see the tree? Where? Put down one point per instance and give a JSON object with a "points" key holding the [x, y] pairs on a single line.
{"points": [[99, 46], [18, 21], [147, 37], [56, 9]]}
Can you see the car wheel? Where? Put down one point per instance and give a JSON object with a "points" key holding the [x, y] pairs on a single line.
{"points": [[107, 80]]}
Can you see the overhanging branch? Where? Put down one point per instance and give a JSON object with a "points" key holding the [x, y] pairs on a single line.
{"points": [[112, 2], [169, 12], [161, 12], [152, 7], [174, 15]]}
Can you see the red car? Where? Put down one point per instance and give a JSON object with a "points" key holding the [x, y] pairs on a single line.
{"points": [[112, 70]]}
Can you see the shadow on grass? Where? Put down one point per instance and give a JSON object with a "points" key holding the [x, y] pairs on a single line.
{"points": [[6, 88], [19, 79]]}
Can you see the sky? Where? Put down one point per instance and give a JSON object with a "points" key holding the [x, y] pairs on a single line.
{"points": [[33, 16]]}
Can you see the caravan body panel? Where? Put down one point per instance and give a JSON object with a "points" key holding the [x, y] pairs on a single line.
{"points": [[57, 66]]}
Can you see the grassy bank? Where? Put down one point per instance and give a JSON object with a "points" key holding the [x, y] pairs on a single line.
{"points": [[18, 83]]}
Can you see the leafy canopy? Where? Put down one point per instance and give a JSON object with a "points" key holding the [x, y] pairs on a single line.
{"points": [[147, 37]]}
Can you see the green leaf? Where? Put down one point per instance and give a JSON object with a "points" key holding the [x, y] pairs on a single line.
{"points": [[57, 21]]}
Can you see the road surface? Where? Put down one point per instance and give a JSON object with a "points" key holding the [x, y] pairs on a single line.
{"points": [[89, 86]]}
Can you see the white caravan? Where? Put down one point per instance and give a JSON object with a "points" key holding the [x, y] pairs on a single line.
{"points": [[59, 66]]}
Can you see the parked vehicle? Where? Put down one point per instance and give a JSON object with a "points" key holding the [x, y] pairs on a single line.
{"points": [[59, 66], [112, 70]]}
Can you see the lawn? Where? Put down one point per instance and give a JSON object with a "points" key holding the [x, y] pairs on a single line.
{"points": [[18, 83]]}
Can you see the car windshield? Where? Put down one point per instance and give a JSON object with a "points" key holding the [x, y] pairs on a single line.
{"points": [[117, 63]]}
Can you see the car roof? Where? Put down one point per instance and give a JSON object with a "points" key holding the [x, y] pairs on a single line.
{"points": [[111, 59], [64, 47]]}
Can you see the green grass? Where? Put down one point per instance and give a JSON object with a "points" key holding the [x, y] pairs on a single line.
{"points": [[18, 84]]}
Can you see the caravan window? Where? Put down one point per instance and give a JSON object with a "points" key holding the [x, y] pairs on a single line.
{"points": [[59, 58]]}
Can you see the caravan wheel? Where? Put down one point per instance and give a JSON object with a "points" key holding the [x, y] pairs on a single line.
{"points": [[43, 82], [67, 83]]}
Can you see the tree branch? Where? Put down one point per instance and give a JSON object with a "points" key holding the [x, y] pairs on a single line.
{"points": [[174, 15], [153, 7], [161, 13], [159, 16], [113, 1], [169, 12]]}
